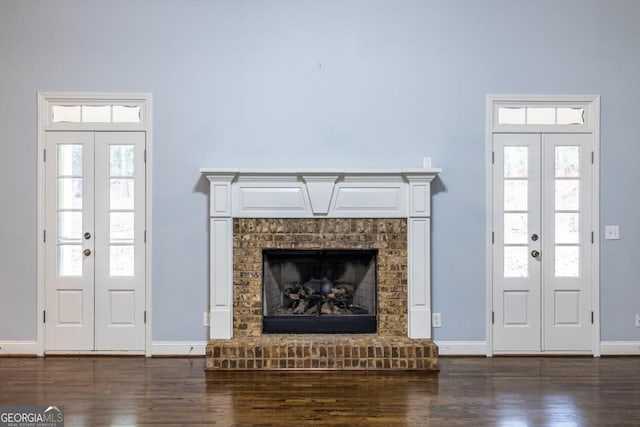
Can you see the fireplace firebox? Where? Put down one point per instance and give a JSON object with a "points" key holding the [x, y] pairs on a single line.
{"points": [[319, 291]]}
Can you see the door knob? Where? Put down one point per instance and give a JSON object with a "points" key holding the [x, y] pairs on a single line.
{"points": [[534, 237], [87, 235], [87, 252], [534, 253]]}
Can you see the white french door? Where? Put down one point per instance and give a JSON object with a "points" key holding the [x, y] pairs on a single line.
{"points": [[542, 238], [94, 246]]}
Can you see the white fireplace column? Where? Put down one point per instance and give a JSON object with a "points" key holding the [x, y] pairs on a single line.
{"points": [[312, 193]]}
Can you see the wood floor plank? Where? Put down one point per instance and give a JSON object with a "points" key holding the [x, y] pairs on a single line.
{"points": [[519, 391]]}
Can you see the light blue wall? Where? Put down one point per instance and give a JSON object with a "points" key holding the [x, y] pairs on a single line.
{"points": [[333, 83]]}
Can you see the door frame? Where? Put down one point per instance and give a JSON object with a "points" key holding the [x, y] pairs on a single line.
{"points": [[591, 105], [45, 100]]}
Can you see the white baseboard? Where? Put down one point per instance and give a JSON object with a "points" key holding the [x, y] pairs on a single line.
{"points": [[178, 348], [19, 347], [197, 348], [621, 348], [462, 348]]}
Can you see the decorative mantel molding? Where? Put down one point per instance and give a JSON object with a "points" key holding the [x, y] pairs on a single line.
{"points": [[313, 193]]}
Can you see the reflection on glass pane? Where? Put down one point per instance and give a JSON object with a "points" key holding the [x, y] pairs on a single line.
{"points": [[567, 261], [121, 226], [515, 195], [567, 162], [510, 116], [541, 116], [70, 260], [65, 113], [70, 193], [121, 193], [515, 228], [96, 113], [567, 227], [516, 260], [516, 163], [70, 159], [69, 226], [567, 194], [121, 160], [124, 114], [121, 261], [570, 116]]}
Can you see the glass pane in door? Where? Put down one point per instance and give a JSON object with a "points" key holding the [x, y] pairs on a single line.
{"points": [[121, 192], [516, 261], [516, 162], [69, 260], [567, 193]]}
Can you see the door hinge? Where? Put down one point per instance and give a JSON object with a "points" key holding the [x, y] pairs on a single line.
{"points": [[145, 316], [493, 157], [44, 316], [493, 317], [145, 236], [592, 317], [44, 236], [44, 155], [592, 237], [493, 237], [145, 156], [593, 157]]}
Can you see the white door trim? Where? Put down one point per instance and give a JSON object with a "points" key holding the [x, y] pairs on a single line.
{"points": [[591, 103], [45, 123]]}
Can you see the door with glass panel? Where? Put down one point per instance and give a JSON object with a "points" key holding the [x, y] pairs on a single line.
{"points": [[542, 243], [94, 247]]}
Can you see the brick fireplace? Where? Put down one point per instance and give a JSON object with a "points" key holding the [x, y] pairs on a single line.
{"points": [[383, 211]]}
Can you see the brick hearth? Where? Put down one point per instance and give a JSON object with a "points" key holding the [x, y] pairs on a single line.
{"points": [[322, 351], [390, 348]]}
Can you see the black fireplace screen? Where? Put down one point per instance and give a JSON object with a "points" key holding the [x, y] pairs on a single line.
{"points": [[319, 291]]}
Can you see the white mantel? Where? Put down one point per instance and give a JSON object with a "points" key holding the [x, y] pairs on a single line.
{"points": [[320, 193]]}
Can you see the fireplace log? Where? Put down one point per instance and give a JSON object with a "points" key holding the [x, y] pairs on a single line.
{"points": [[326, 308], [301, 307], [315, 297]]}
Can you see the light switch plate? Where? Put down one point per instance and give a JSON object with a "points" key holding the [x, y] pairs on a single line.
{"points": [[436, 320], [612, 232]]}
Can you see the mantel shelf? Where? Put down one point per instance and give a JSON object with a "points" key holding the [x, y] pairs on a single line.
{"points": [[429, 173]]}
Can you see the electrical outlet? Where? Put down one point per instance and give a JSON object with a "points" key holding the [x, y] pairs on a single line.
{"points": [[436, 320], [205, 319], [637, 320]]}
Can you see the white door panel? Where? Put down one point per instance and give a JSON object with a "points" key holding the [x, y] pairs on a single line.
{"points": [[120, 249], [68, 271], [516, 215], [567, 243]]}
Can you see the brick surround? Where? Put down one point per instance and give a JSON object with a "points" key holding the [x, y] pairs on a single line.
{"points": [[251, 236], [388, 349]]}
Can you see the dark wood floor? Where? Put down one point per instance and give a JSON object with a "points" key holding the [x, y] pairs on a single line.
{"points": [[519, 391]]}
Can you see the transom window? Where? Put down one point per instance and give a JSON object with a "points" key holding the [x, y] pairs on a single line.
{"points": [[538, 114], [95, 113], [541, 115]]}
